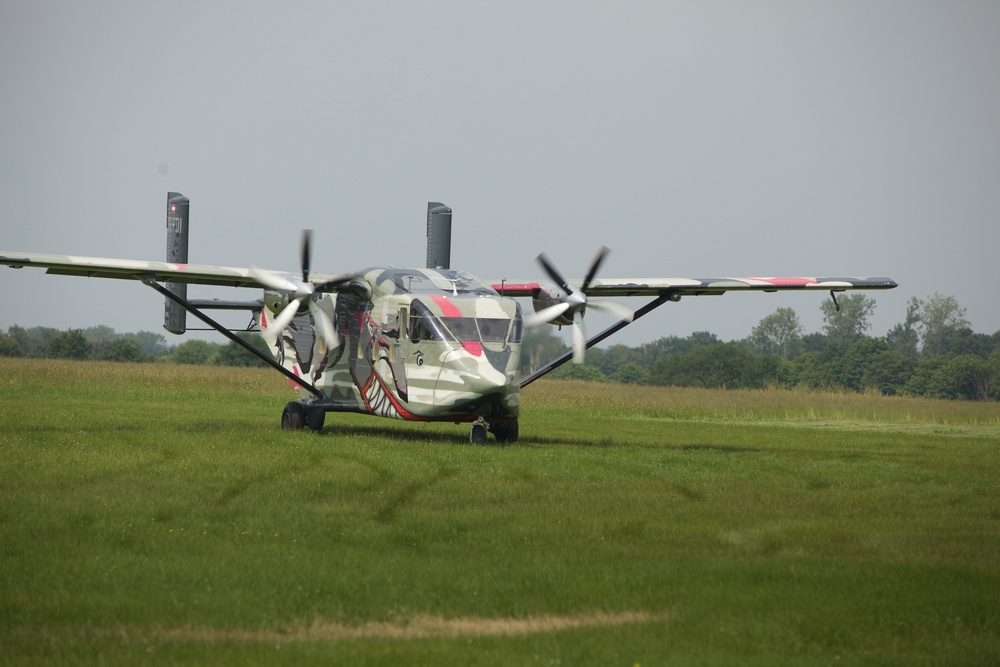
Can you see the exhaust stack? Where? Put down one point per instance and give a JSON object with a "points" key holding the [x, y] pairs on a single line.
{"points": [[438, 236], [175, 317]]}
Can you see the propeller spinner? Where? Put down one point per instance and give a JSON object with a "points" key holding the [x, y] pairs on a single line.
{"points": [[574, 304], [300, 294]]}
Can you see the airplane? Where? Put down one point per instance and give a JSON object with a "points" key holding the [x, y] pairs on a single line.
{"points": [[420, 344]]}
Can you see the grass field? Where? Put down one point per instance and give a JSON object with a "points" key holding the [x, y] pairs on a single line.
{"points": [[155, 514]]}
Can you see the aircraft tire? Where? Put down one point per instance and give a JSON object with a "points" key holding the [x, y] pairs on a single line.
{"points": [[505, 431], [315, 419], [293, 417], [478, 434]]}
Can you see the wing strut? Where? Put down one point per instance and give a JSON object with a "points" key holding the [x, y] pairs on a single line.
{"points": [[614, 328], [833, 295], [186, 305]]}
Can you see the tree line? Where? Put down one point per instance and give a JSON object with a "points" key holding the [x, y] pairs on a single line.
{"points": [[933, 352], [104, 343]]}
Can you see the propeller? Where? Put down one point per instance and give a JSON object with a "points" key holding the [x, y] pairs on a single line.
{"points": [[300, 294], [575, 303]]}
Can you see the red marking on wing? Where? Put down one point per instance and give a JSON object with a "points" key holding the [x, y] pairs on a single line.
{"points": [[474, 348], [448, 309], [517, 288], [787, 281]]}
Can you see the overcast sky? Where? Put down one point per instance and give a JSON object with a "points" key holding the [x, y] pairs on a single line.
{"points": [[695, 139]]}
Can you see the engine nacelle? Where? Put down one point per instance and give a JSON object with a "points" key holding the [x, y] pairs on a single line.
{"points": [[548, 296]]}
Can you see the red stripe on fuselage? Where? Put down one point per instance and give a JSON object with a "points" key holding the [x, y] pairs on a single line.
{"points": [[448, 309]]}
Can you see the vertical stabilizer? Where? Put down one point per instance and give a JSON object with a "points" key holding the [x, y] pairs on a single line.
{"points": [[175, 317], [438, 236]]}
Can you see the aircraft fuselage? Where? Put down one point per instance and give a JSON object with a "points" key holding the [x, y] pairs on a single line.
{"points": [[414, 344]]}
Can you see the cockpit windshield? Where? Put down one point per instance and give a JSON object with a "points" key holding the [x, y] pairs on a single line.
{"points": [[424, 325], [482, 329]]}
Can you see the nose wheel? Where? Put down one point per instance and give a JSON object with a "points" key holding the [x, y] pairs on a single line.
{"points": [[504, 432], [295, 416], [478, 434]]}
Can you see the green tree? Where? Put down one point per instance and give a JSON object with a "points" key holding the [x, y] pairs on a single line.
{"points": [[34, 341], [924, 380], [904, 337], [9, 347], [965, 341], [966, 376], [850, 323], [779, 333], [153, 345], [728, 365], [99, 333], [571, 371], [194, 352], [69, 345], [235, 354], [819, 369], [539, 347], [631, 373], [651, 354], [123, 350], [610, 360], [814, 342], [940, 318], [872, 362]]}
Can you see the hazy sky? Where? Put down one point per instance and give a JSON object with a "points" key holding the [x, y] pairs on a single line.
{"points": [[695, 139]]}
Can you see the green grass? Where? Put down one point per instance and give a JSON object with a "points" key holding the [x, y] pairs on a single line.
{"points": [[154, 514]]}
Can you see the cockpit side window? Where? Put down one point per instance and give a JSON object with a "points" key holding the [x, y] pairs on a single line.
{"points": [[424, 325], [517, 328]]}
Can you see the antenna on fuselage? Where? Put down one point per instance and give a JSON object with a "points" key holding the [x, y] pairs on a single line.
{"points": [[174, 316], [438, 236]]}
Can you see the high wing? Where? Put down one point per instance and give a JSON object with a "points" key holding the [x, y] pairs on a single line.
{"points": [[566, 303], [699, 286], [130, 269]]}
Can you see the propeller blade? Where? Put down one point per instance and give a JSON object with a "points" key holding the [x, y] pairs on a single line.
{"points": [[579, 339], [595, 264], [326, 327], [613, 307], [306, 253], [545, 315], [554, 274], [281, 322], [337, 281], [273, 280]]}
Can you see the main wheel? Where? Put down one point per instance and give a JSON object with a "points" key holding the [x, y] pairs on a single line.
{"points": [[315, 419], [293, 417], [505, 431]]}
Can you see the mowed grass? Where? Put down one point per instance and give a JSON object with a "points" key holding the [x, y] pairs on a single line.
{"points": [[154, 514]]}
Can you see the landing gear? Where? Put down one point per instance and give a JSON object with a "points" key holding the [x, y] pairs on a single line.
{"points": [[295, 417], [478, 434], [315, 419], [504, 432]]}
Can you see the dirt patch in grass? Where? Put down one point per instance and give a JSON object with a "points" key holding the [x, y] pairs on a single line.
{"points": [[417, 627]]}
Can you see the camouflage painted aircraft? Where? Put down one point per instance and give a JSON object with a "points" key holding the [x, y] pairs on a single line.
{"points": [[421, 344]]}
